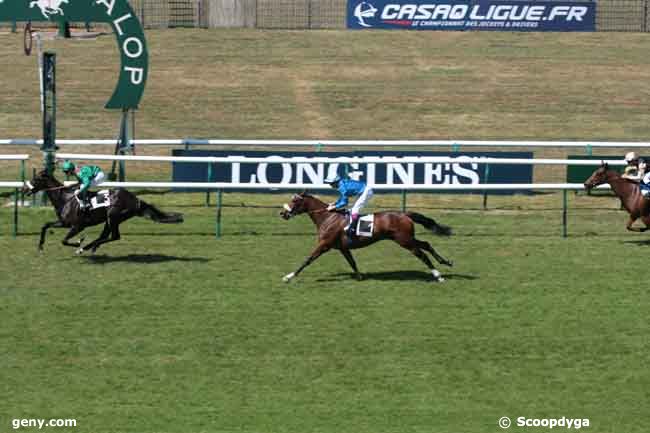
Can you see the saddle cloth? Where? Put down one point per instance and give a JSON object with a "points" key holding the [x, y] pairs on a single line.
{"points": [[102, 199], [365, 225]]}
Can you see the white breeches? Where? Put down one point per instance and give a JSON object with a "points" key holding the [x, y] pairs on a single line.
{"points": [[362, 201], [99, 178]]}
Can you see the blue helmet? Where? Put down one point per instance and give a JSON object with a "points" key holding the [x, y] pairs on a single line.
{"points": [[334, 178]]}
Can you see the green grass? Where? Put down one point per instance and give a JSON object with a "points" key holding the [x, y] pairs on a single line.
{"points": [[171, 330]]}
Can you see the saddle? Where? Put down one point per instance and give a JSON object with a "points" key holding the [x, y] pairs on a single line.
{"points": [[95, 200], [364, 225]]}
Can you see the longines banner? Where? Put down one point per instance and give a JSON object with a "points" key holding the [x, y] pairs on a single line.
{"points": [[505, 15], [372, 173]]}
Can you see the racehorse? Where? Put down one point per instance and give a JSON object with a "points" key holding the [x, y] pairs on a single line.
{"points": [[397, 226], [123, 205], [629, 193]]}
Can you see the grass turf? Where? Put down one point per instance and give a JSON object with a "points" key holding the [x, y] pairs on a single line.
{"points": [[170, 330]]}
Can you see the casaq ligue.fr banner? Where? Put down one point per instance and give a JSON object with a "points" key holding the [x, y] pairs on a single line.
{"points": [[505, 15], [393, 174]]}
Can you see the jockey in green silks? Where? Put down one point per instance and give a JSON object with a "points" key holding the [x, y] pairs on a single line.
{"points": [[87, 176]]}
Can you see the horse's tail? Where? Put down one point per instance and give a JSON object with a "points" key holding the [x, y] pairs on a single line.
{"points": [[153, 213], [430, 224]]}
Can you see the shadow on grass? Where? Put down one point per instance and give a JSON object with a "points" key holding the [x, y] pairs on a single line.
{"points": [[396, 276], [142, 259], [642, 243]]}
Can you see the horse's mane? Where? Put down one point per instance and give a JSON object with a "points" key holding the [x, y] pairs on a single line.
{"points": [[45, 174], [307, 195]]}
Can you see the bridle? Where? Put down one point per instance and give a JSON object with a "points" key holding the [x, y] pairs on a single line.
{"points": [[31, 187], [290, 210]]}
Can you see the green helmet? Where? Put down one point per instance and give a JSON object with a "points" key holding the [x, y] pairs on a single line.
{"points": [[68, 166]]}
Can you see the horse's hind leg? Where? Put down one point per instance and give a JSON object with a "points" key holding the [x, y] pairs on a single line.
{"points": [[115, 236], [348, 256], [412, 245], [635, 229], [101, 239], [427, 247], [73, 231]]}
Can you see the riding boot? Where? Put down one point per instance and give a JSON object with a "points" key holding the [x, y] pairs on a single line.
{"points": [[84, 203], [353, 225]]}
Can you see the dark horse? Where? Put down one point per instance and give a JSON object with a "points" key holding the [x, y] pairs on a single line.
{"points": [[123, 205], [397, 226], [629, 193]]}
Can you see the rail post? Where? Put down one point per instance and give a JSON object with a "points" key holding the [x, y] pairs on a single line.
{"points": [[486, 176], [207, 194], [217, 231], [564, 214], [22, 179], [15, 232]]}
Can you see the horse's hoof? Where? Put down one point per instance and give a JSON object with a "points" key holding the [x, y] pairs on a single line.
{"points": [[79, 252], [288, 277], [437, 276], [448, 263], [359, 277]]}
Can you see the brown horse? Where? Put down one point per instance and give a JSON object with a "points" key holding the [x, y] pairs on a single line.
{"points": [[629, 193], [397, 226]]}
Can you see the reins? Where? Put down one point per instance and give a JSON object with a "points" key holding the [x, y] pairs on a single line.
{"points": [[57, 188]]}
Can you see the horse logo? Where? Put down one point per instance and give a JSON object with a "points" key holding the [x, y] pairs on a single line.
{"points": [[49, 7], [364, 10]]}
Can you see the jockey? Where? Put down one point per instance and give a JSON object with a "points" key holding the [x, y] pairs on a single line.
{"points": [[349, 188], [87, 176], [635, 169], [644, 186]]}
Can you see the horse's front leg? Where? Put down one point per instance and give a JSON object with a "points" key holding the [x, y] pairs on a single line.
{"points": [[322, 247], [348, 256], [44, 229]]}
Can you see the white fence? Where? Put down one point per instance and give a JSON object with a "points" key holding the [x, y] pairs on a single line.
{"points": [[219, 187], [338, 160], [15, 185], [339, 143], [212, 186]]}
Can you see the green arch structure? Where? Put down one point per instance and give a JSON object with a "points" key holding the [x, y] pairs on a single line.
{"points": [[134, 67]]}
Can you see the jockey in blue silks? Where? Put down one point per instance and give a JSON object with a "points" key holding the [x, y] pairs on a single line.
{"points": [[349, 188]]}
